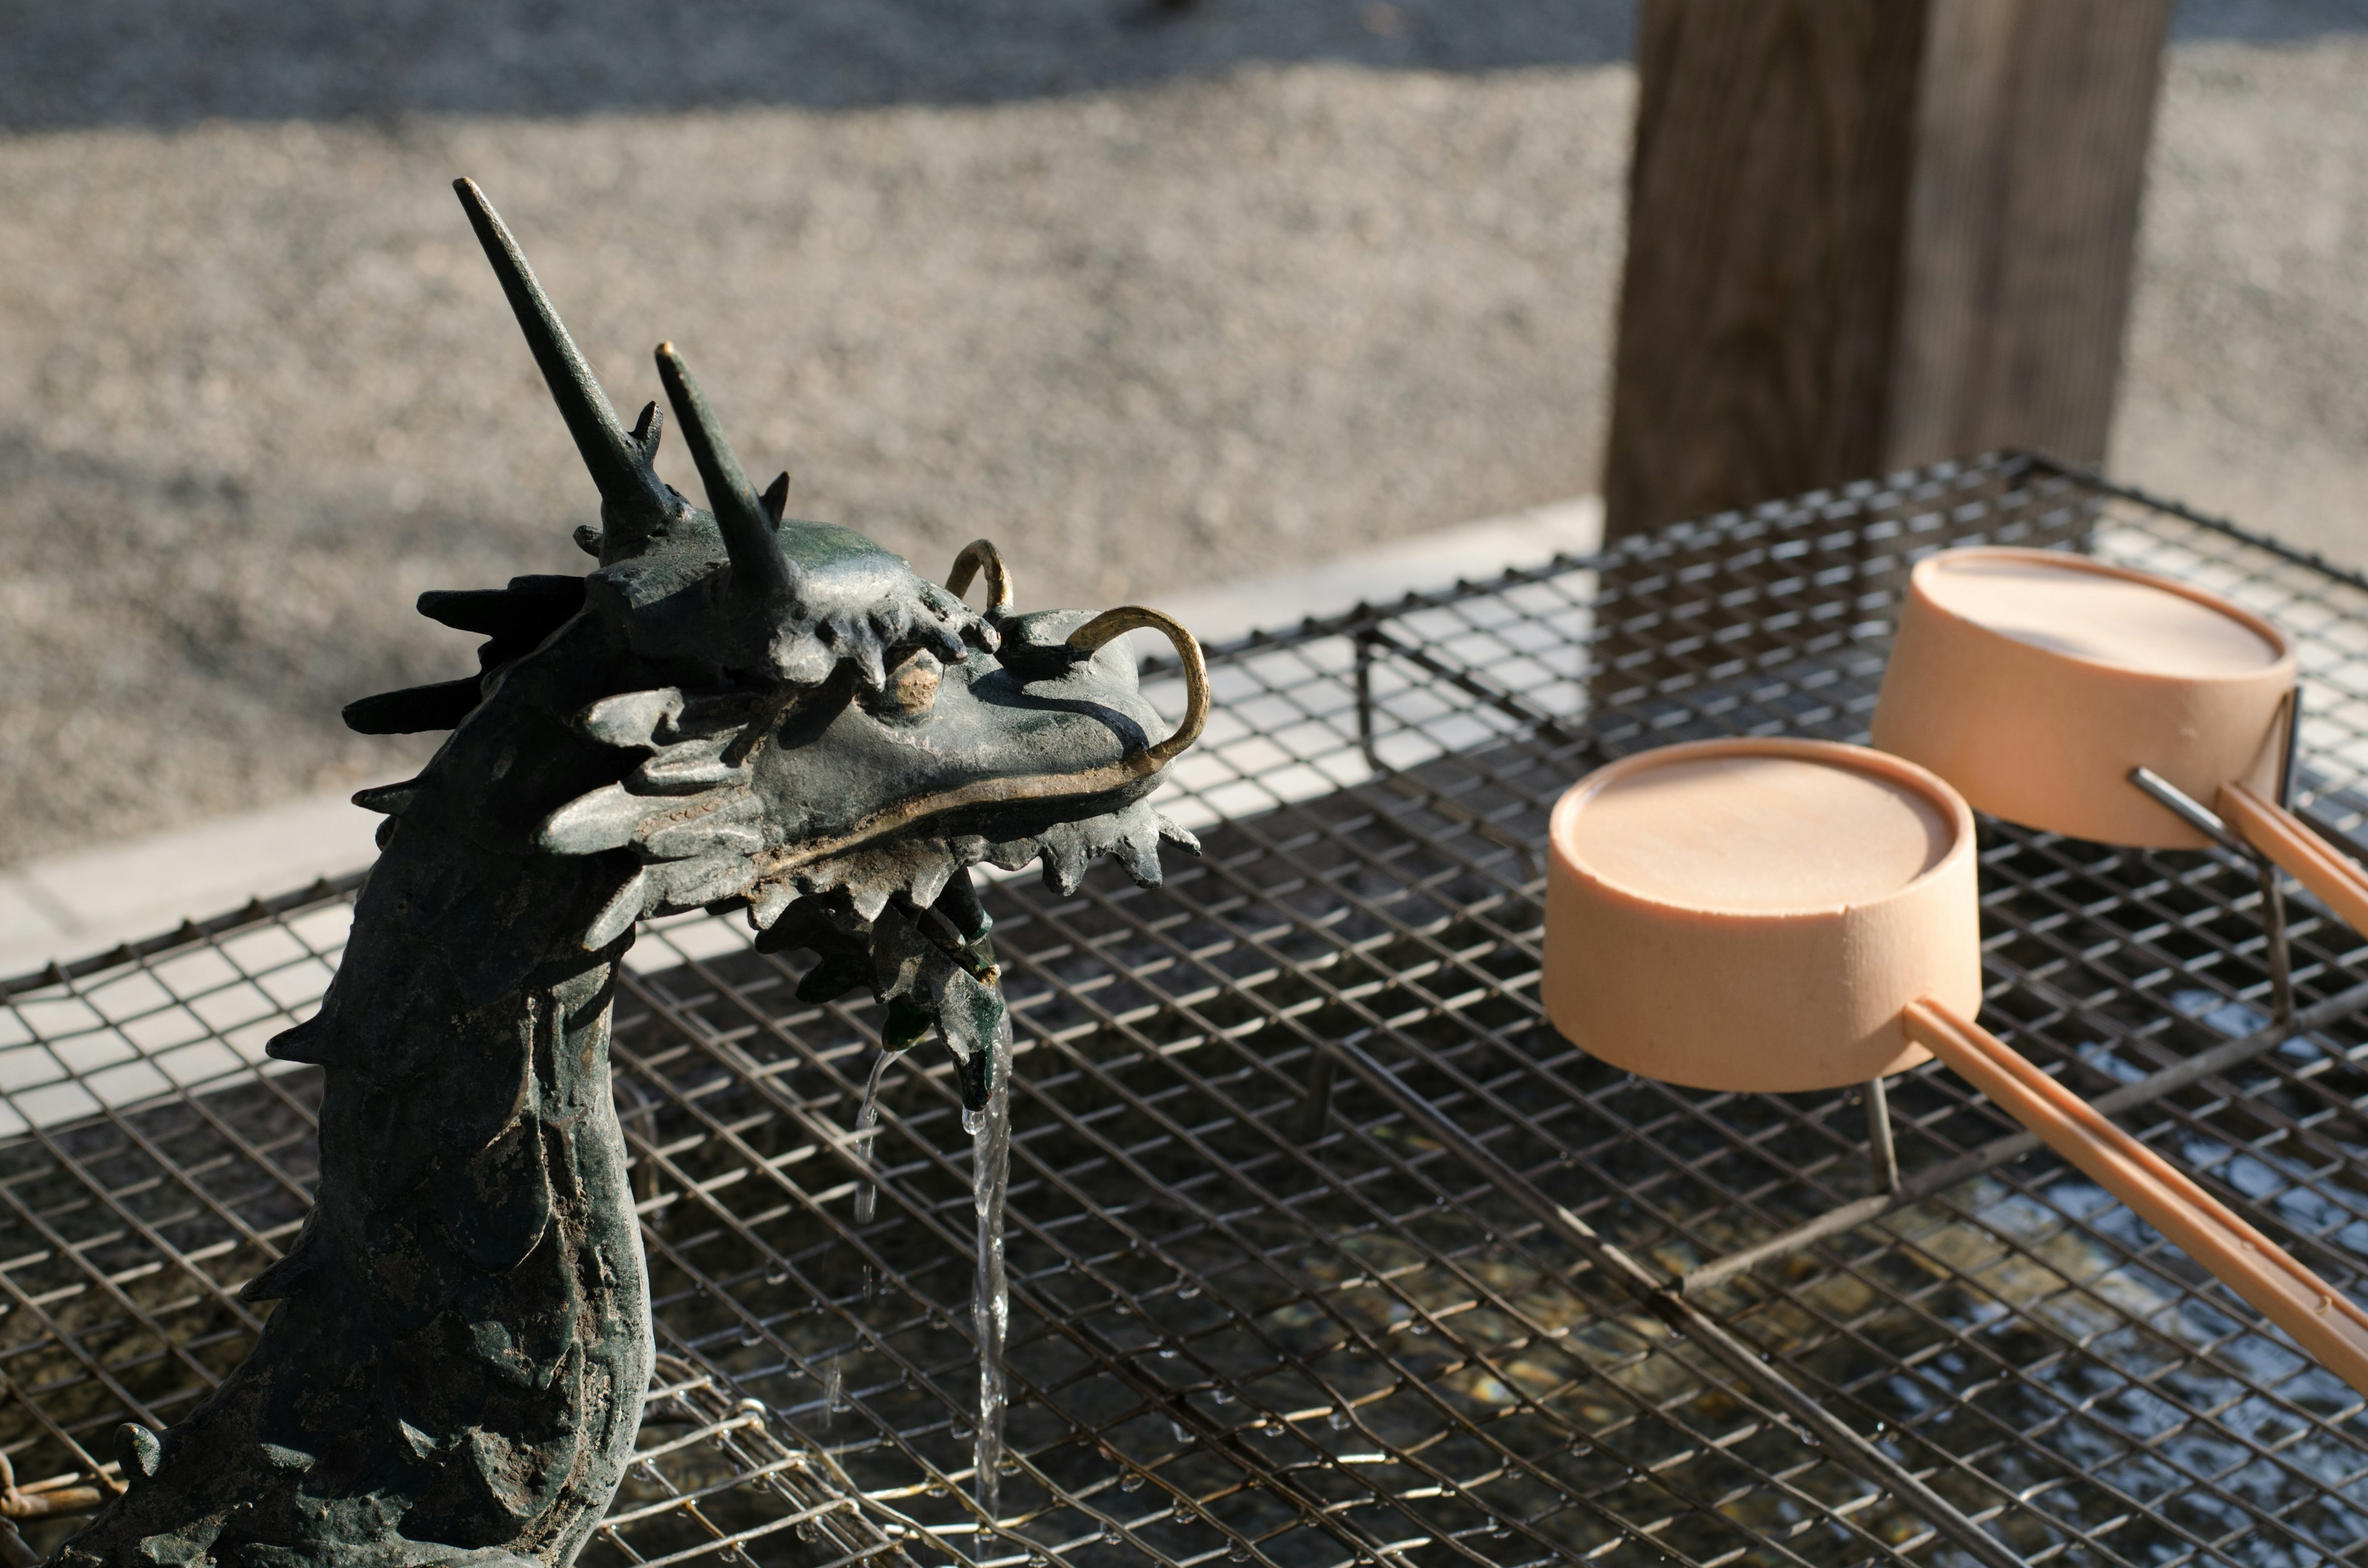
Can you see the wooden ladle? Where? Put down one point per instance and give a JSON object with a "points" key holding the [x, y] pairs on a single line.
{"points": [[1783, 915], [2093, 701]]}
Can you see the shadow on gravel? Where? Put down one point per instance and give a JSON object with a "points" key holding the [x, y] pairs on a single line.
{"points": [[168, 63], [161, 63]]}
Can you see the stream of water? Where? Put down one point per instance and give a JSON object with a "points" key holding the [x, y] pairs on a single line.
{"points": [[867, 1132], [990, 1301]]}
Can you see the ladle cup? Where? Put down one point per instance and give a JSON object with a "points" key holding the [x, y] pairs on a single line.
{"points": [[2090, 700], [1783, 915]]}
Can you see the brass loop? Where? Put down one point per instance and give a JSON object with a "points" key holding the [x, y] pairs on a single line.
{"points": [[981, 553], [1112, 623]]}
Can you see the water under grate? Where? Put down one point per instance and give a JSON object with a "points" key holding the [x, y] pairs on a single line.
{"points": [[1281, 1292]]}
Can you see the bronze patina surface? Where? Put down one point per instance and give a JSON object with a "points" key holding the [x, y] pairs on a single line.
{"points": [[733, 709]]}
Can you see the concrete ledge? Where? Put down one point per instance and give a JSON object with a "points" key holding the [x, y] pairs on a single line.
{"points": [[82, 902]]}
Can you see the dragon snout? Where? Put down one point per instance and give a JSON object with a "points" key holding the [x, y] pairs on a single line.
{"points": [[1114, 623], [1082, 642]]}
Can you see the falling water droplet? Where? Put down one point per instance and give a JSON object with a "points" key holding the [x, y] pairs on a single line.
{"points": [[1337, 1421], [973, 1121], [1274, 1428], [867, 1132], [1131, 1481], [1109, 1535], [1186, 1292], [1219, 1396], [777, 1276], [1168, 1352], [1237, 1552]]}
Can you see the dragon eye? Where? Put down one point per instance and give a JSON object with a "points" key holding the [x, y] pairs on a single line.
{"points": [[912, 685]]}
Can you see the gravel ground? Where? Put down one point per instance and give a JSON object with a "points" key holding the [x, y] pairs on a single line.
{"points": [[2246, 385], [1151, 301]]}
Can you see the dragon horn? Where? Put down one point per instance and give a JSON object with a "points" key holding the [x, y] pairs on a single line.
{"points": [[630, 493], [756, 563]]}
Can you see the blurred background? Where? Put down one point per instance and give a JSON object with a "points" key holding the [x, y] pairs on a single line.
{"points": [[1155, 296]]}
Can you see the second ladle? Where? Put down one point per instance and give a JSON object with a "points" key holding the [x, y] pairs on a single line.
{"points": [[2090, 700], [1782, 914]]}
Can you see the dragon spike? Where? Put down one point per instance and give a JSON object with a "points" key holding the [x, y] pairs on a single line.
{"points": [[648, 428], [740, 515], [630, 493]]}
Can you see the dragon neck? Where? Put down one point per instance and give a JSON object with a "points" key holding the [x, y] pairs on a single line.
{"points": [[462, 916], [464, 1334]]}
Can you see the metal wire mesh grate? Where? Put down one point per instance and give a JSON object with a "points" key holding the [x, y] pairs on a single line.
{"points": [[1262, 1314]]}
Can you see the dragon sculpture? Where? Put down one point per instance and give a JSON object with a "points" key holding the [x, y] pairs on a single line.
{"points": [[732, 710]]}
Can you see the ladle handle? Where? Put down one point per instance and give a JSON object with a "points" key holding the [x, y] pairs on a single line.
{"points": [[2328, 1325], [2339, 881]]}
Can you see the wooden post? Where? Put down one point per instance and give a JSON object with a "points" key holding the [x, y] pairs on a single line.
{"points": [[1767, 203], [2023, 225], [1868, 234]]}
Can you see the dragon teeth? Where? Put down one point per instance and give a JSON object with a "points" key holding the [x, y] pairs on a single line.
{"points": [[766, 904], [617, 915], [604, 819], [690, 884]]}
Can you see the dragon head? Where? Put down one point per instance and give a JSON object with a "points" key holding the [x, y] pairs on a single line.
{"points": [[783, 716]]}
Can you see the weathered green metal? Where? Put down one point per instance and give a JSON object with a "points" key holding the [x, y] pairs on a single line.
{"points": [[731, 710]]}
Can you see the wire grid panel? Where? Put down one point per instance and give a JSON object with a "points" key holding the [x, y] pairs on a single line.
{"points": [[1258, 1316]]}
